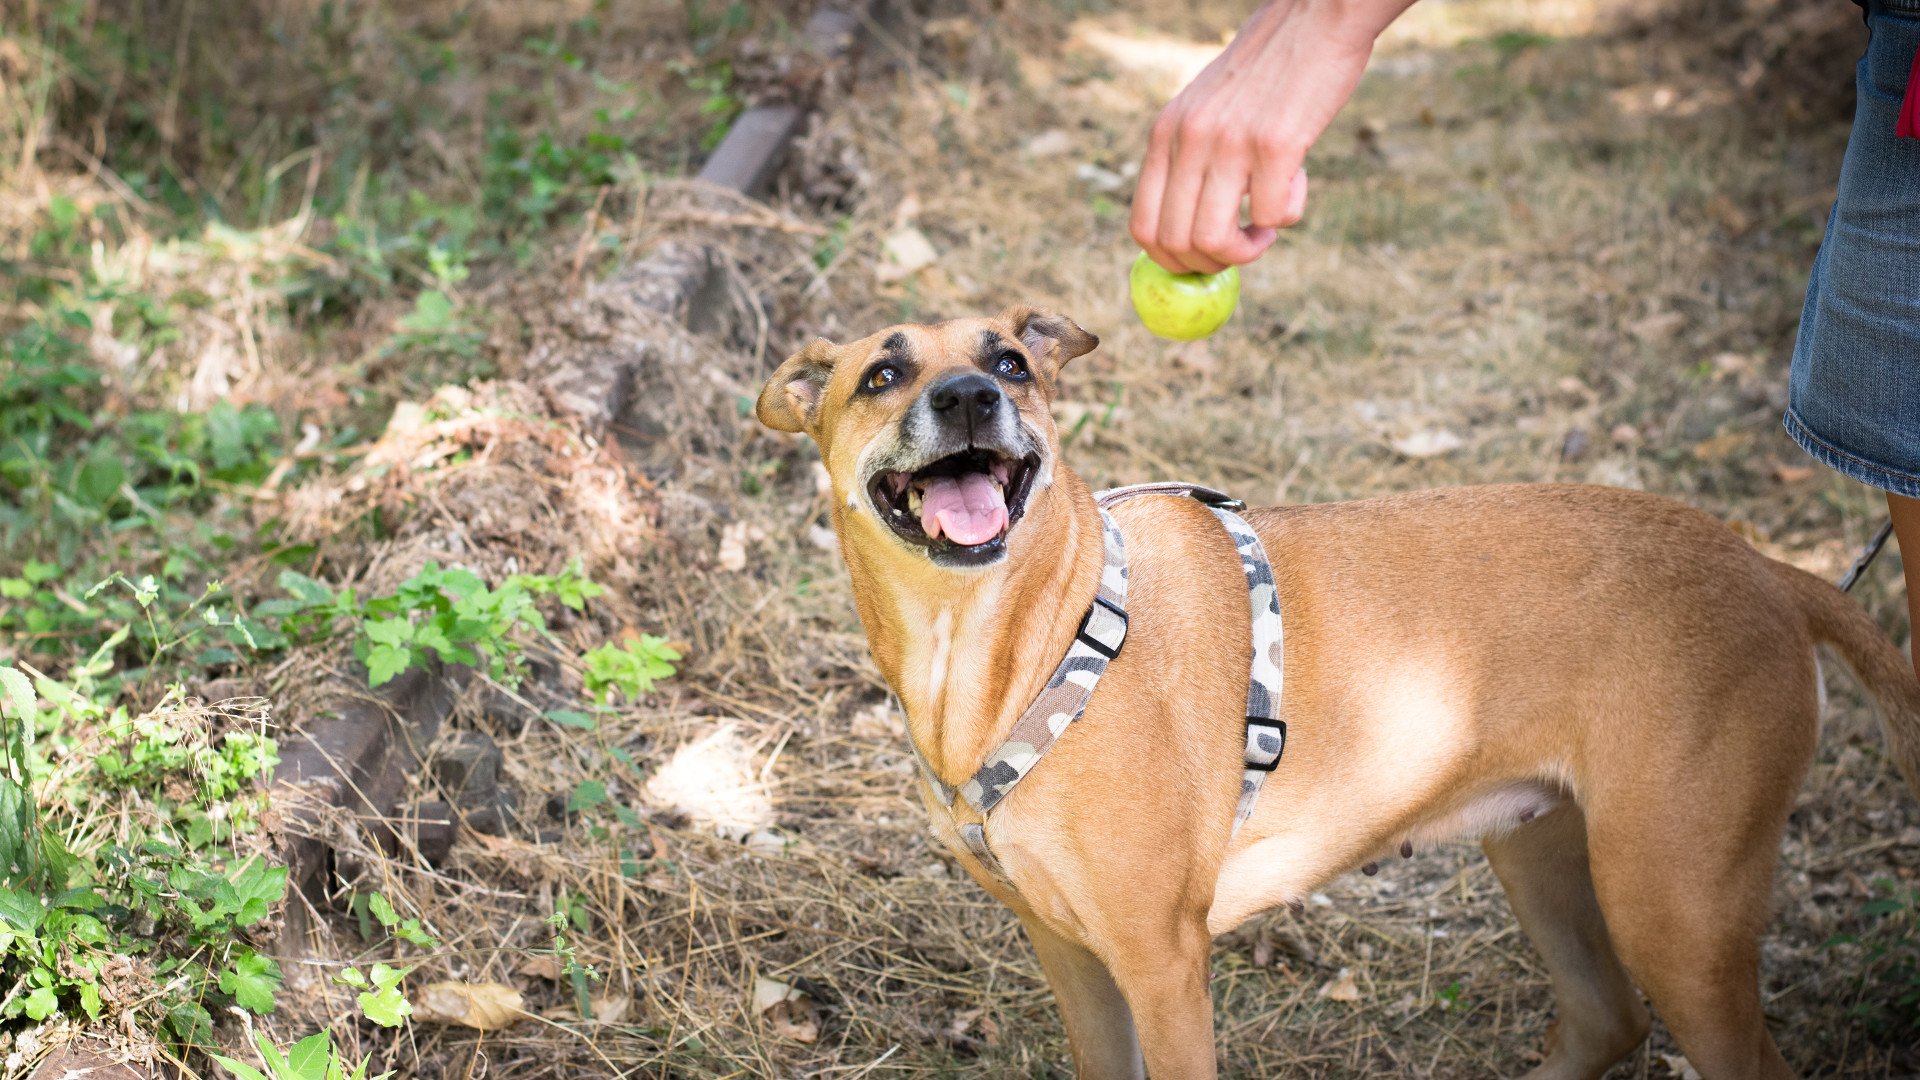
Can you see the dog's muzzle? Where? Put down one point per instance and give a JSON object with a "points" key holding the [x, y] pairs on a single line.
{"points": [[961, 474]]}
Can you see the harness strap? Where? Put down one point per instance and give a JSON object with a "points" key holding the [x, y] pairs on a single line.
{"points": [[1266, 732], [1062, 701]]}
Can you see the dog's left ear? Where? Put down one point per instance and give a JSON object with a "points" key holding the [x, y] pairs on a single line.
{"points": [[791, 399], [1053, 339]]}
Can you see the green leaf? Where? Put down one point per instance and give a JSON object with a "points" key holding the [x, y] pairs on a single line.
{"points": [[239, 1070], [411, 933], [258, 887], [308, 1058], [37, 572], [572, 718], [385, 1004], [589, 794], [14, 588], [382, 910], [304, 589], [350, 976], [41, 1003], [251, 981], [388, 631], [19, 694], [21, 910], [386, 661], [1882, 907]]}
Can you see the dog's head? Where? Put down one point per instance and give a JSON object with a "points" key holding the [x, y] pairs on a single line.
{"points": [[940, 434]]}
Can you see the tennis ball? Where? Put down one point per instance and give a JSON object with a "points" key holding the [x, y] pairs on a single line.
{"points": [[1182, 306]]}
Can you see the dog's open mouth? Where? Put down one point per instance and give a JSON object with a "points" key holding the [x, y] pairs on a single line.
{"points": [[961, 506]]}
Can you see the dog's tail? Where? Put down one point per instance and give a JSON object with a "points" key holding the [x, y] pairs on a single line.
{"points": [[1838, 622]]}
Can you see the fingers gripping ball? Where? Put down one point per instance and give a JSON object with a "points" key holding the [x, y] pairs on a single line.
{"points": [[1182, 306]]}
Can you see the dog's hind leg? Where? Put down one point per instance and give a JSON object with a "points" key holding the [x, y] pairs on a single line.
{"points": [[1543, 867], [1683, 867], [1099, 1024]]}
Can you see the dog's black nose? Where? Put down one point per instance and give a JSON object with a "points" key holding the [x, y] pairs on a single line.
{"points": [[971, 395]]}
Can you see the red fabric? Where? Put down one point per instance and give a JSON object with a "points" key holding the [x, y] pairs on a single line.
{"points": [[1908, 126]]}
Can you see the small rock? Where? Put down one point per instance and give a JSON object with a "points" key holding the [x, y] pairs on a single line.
{"points": [[1625, 435], [1100, 179], [466, 765], [434, 830], [1050, 143], [1429, 444], [1574, 446]]}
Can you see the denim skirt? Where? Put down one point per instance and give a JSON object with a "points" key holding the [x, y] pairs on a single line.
{"points": [[1854, 393]]}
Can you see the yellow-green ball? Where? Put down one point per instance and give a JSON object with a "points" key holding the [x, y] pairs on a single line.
{"points": [[1182, 306]]}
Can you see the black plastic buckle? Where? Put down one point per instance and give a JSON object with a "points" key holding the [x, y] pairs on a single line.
{"points": [[1094, 643], [1278, 728]]}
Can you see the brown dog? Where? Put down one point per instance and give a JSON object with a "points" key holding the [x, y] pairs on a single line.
{"points": [[1611, 691]]}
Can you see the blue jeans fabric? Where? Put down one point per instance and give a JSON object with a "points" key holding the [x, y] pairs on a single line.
{"points": [[1854, 392]]}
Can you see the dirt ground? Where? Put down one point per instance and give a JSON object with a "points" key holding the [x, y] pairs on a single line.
{"points": [[1559, 241]]}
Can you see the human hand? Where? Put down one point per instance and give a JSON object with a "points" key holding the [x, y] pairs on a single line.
{"points": [[1242, 128]]}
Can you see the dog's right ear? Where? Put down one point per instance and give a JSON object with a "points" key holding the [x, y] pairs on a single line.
{"points": [[791, 399]]}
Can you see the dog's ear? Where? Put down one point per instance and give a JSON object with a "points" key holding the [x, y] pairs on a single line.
{"points": [[791, 399], [1053, 339]]}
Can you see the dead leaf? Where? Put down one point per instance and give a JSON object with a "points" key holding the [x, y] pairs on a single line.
{"points": [[1791, 474], [1722, 447], [1342, 988], [1679, 1066], [1429, 444], [540, 967], [1728, 215], [1625, 435], [733, 547], [1658, 328], [608, 1008], [904, 254], [770, 992], [486, 1006], [788, 1011]]}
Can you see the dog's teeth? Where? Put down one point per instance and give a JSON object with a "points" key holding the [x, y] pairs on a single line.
{"points": [[913, 500]]}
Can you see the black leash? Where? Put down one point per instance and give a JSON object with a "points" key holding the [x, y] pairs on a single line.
{"points": [[1866, 556]]}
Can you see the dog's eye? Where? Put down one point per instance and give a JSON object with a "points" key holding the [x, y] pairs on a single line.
{"points": [[1011, 365], [882, 376]]}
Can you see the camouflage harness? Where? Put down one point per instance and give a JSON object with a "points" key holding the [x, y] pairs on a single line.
{"points": [[1102, 631]]}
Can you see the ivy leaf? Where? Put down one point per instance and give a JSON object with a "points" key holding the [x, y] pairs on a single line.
{"points": [[386, 661], [41, 1003], [350, 976], [258, 887], [385, 1004], [251, 982], [411, 933], [388, 631]]}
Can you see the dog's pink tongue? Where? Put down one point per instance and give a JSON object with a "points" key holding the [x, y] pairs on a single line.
{"points": [[967, 509]]}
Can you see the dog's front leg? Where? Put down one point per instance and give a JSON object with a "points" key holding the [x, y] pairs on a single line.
{"points": [[1099, 1024], [1163, 973]]}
